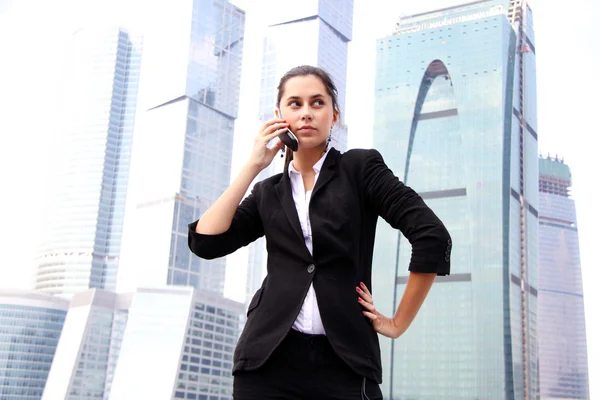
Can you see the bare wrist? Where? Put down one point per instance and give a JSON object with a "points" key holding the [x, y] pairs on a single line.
{"points": [[397, 328], [252, 168]]}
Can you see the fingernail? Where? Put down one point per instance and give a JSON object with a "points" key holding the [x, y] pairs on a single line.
{"points": [[362, 284], [359, 299], [358, 289]]}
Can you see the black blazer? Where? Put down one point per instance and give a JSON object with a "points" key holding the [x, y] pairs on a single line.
{"points": [[352, 190]]}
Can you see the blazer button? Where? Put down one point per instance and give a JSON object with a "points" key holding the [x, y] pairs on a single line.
{"points": [[447, 259], [311, 268], [450, 242]]}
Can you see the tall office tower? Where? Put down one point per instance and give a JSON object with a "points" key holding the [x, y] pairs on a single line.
{"points": [[89, 346], [85, 218], [178, 344], [455, 106], [30, 326], [325, 27], [160, 343], [561, 318], [183, 141]]}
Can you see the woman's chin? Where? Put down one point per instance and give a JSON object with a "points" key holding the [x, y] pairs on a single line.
{"points": [[310, 143]]}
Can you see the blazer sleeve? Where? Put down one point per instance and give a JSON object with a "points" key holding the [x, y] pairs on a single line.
{"points": [[245, 228], [405, 210]]}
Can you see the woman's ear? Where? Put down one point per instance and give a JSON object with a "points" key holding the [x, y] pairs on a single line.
{"points": [[335, 118], [277, 113]]}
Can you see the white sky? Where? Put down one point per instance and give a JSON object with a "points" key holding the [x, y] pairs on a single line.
{"points": [[33, 34]]}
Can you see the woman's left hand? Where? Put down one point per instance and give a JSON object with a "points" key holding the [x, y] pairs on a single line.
{"points": [[382, 324]]}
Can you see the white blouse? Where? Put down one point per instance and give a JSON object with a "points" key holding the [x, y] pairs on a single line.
{"points": [[309, 320]]}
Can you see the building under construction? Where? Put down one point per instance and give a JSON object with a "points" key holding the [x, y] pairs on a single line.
{"points": [[562, 341]]}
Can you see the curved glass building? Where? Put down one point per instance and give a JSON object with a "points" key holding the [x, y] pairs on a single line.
{"points": [[562, 338], [455, 119], [30, 326]]}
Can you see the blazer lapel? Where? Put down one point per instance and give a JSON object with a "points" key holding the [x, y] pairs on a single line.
{"points": [[328, 170], [283, 188], [284, 191]]}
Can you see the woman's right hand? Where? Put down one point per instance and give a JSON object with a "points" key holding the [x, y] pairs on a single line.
{"points": [[219, 216], [262, 156]]}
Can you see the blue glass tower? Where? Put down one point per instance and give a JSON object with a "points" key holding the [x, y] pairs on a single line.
{"points": [[455, 118]]}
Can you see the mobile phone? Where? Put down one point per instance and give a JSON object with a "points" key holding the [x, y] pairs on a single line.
{"points": [[288, 138]]}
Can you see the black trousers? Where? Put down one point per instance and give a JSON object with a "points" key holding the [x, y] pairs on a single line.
{"points": [[304, 367]]}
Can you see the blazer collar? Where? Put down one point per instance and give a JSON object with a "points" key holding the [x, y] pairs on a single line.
{"points": [[283, 188]]}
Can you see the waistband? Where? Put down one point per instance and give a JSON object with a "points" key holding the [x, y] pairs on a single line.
{"points": [[299, 340]]}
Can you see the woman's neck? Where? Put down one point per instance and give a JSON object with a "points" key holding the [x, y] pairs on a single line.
{"points": [[305, 159]]}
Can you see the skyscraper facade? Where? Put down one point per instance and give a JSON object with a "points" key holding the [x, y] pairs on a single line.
{"points": [[561, 326], [89, 346], [326, 29], [30, 327], [455, 119], [183, 142], [85, 220], [160, 343], [178, 344]]}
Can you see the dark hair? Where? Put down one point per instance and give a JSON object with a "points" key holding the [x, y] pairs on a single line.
{"points": [[305, 70]]}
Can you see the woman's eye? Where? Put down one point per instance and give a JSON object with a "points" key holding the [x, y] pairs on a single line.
{"points": [[319, 102], [294, 104]]}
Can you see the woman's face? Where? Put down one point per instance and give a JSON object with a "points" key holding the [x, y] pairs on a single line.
{"points": [[307, 107]]}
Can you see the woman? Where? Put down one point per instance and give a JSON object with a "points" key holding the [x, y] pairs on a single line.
{"points": [[312, 327]]}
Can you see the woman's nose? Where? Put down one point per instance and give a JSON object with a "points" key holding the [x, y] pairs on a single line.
{"points": [[306, 115]]}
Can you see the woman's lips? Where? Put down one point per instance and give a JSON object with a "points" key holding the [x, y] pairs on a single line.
{"points": [[307, 129]]}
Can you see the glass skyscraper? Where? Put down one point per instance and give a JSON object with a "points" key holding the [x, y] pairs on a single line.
{"points": [[145, 187], [89, 346], [325, 27], [85, 223], [561, 326], [155, 343], [30, 326], [181, 162], [455, 119], [178, 344]]}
